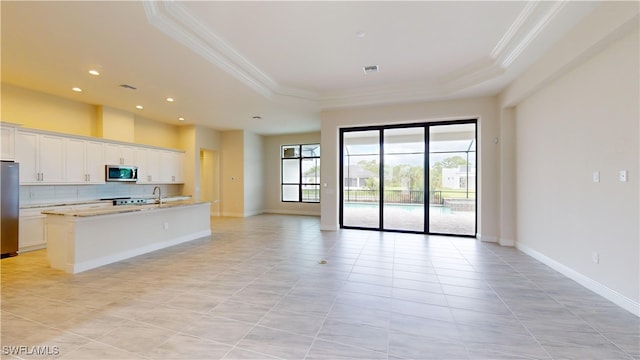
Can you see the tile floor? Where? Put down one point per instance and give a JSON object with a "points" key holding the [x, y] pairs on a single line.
{"points": [[256, 290]]}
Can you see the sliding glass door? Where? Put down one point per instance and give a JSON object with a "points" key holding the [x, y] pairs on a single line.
{"points": [[452, 179], [388, 182], [361, 179], [403, 201]]}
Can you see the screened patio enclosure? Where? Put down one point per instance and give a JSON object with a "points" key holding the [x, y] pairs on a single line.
{"points": [[411, 178]]}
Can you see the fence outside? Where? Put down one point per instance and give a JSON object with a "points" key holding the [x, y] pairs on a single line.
{"points": [[436, 197]]}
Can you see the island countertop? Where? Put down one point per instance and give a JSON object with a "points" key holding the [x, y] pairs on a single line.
{"points": [[120, 209]]}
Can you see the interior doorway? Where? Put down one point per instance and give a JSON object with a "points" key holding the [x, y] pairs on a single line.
{"points": [[411, 178], [210, 179]]}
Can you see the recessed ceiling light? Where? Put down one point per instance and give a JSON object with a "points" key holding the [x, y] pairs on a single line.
{"points": [[76, 89], [169, 99], [181, 118], [139, 107], [94, 72]]}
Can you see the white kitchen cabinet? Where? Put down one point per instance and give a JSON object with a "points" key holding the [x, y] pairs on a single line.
{"points": [[94, 158], [172, 167], [7, 142], [41, 158], [149, 165], [119, 154], [156, 166], [84, 161], [31, 233], [49, 159]]}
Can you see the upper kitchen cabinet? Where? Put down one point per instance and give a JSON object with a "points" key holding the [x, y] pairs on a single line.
{"points": [[119, 154], [41, 158], [48, 158], [157, 166], [7, 142], [84, 161], [172, 170], [148, 166]]}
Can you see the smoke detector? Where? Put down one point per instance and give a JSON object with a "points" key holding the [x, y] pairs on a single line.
{"points": [[371, 69]]}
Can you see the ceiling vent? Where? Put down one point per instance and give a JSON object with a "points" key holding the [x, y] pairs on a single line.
{"points": [[371, 69], [127, 86]]}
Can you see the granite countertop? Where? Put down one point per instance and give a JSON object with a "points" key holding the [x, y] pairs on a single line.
{"points": [[70, 203], [121, 209], [99, 202]]}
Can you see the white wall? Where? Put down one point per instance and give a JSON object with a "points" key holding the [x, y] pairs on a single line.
{"points": [[585, 121], [272, 193], [484, 109], [254, 174]]}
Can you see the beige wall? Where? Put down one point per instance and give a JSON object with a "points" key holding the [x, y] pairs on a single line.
{"points": [[194, 139], [584, 121], [272, 195], [232, 173], [151, 132], [187, 141], [37, 110], [115, 124], [42, 111], [484, 109]]}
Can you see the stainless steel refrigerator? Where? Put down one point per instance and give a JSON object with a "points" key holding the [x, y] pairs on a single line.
{"points": [[9, 208]]}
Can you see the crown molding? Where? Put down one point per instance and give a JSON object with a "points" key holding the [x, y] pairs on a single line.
{"points": [[401, 93], [529, 24], [176, 21]]}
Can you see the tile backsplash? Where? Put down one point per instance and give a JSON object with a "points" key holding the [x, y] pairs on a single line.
{"points": [[52, 194]]}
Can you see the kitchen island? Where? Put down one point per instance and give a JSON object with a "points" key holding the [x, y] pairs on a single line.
{"points": [[79, 240]]}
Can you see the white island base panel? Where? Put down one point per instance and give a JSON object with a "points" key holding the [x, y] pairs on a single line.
{"points": [[79, 243]]}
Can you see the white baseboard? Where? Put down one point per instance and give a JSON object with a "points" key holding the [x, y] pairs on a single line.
{"points": [[292, 212], [609, 294], [252, 213], [232, 214], [506, 242], [325, 227], [32, 248], [487, 238]]}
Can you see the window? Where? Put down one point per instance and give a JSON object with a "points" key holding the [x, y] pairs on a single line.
{"points": [[300, 173]]}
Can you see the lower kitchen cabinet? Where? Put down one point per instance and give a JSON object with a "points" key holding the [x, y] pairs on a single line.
{"points": [[32, 225], [31, 230]]}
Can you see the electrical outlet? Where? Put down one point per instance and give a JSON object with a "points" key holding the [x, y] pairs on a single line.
{"points": [[165, 226], [596, 176], [595, 257], [623, 175]]}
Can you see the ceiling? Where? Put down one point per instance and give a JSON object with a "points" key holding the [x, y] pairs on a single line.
{"points": [[272, 67]]}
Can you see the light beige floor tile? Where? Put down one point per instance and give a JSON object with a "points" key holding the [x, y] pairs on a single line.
{"points": [[136, 337], [182, 346], [294, 322], [218, 329], [255, 289]]}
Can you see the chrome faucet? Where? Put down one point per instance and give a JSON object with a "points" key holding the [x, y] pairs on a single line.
{"points": [[159, 194]]}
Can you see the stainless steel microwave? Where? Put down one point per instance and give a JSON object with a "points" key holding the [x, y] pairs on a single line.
{"points": [[121, 173]]}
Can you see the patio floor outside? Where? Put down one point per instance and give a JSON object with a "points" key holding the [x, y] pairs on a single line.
{"points": [[410, 218]]}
